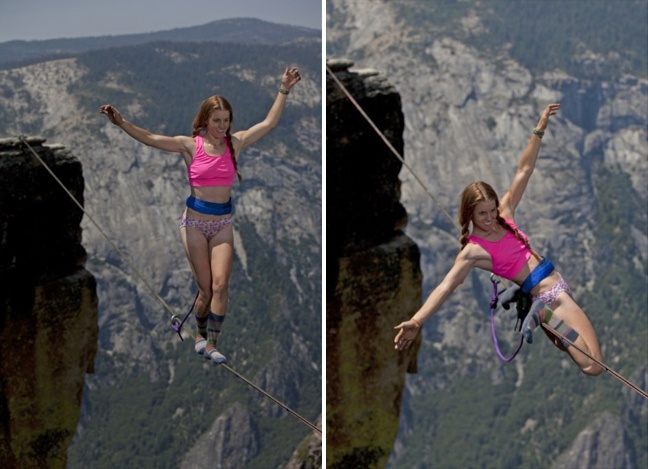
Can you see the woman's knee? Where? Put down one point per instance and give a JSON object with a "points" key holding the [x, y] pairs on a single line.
{"points": [[204, 294], [203, 299], [592, 369], [589, 360], [220, 286]]}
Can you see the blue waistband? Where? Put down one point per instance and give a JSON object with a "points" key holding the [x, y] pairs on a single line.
{"points": [[209, 208], [541, 271]]}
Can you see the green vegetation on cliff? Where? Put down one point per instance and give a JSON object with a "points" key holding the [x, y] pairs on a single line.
{"points": [[589, 39]]}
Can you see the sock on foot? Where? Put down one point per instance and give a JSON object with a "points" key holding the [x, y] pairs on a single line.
{"points": [[214, 326], [201, 333], [212, 353], [560, 327], [201, 324]]}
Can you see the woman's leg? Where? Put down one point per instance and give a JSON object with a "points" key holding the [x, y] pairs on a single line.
{"points": [[221, 248], [197, 251], [566, 309]]}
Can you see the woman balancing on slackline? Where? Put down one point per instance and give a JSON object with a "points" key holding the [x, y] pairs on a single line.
{"points": [[211, 155], [497, 245]]}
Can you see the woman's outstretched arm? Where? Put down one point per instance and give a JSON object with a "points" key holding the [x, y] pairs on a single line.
{"points": [[408, 330], [248, 137], [512, 198], [172, 144]]}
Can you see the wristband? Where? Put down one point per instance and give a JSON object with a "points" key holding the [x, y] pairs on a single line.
{"points": [[537, 132], [282, 91], [416, 322]]}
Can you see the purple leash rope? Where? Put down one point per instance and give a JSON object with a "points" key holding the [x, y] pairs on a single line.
{"points": [[177, 324], [493, 305]]}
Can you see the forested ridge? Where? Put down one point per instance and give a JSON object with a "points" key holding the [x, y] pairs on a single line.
{"points": [[587, 39], [248, 31]]}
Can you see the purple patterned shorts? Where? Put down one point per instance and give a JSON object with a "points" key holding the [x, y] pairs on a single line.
{"points": [[549, 296], [209, 228]]}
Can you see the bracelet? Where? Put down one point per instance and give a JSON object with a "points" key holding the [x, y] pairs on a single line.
{"points": [[537, 132], [416, 322], [282, 91]]}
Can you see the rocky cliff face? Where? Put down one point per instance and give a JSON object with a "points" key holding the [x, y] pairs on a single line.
{"points": [[374, 280], [467, 117], [309, 453], [48, 305]]}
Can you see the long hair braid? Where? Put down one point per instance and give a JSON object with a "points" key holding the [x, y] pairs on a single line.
{"points": [[517, 234], [465, 233], [209, 105], [228, 139]]}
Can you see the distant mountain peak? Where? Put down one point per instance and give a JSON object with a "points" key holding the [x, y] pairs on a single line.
{"points": [[233, 30]]}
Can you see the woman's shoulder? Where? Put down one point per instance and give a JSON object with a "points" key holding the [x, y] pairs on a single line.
{"points": [[473, 255], [188, 144], [473, 251]]}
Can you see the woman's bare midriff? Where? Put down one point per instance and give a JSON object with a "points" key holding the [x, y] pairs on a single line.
{"points": [[215, 194]]}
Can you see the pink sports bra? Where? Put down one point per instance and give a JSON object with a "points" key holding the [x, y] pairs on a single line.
{"points": [[508, 255], [207, 170]]}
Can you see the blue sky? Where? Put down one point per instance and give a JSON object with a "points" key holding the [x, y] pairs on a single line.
{"points": [[54, 19]]}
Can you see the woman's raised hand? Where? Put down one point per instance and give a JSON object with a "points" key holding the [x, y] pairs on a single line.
{"points": [[290, 78], [549, 111], [112, 114]]}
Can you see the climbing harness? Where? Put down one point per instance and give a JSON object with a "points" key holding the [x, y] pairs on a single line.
{"points": [[521, 304], [539, 273], [176, 323]]}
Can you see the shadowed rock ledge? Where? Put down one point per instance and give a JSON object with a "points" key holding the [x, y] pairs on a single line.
{"points": [[48, 305], [373, 274]]}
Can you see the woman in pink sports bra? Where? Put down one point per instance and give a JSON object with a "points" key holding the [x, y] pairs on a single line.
{"points": [[498, 246], [211, 155]]}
